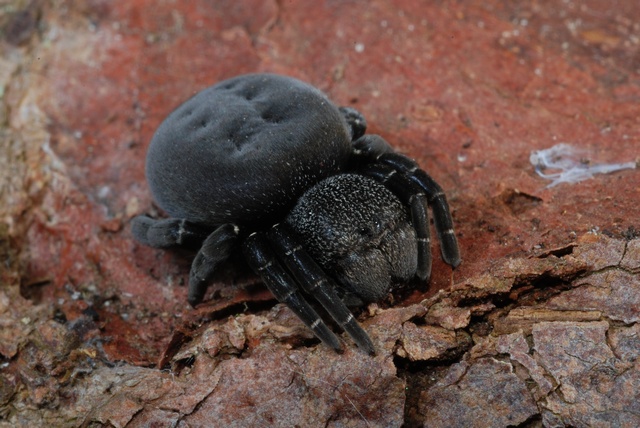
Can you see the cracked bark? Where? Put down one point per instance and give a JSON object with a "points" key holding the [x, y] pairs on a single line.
{"points": [[555, 364]]}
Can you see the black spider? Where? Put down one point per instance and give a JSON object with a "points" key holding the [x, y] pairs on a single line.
{"points": [[269, 162]]}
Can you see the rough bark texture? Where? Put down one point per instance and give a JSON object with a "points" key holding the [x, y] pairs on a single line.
{"points": [[540, 325]]}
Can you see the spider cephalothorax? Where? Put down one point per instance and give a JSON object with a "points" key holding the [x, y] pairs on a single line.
{"points": [[320, 209]]}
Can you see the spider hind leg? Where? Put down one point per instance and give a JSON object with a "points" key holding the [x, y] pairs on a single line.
{"points": [[169, 232], [214, 250]]}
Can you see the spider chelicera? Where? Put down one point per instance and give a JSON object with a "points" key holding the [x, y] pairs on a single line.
{"points": [[321, 210]]}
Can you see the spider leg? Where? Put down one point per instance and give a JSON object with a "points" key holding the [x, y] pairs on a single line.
{"points": [[317, 283], [215, 249], [168, 232], [376, 150], [264, 263], [413, 197], [355, 120], [437, 200]]}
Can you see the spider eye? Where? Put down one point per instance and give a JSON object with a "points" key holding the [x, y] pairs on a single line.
{"points": [[366, 231]]}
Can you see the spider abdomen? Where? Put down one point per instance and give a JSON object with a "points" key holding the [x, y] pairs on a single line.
{"points": [[244, 150]]}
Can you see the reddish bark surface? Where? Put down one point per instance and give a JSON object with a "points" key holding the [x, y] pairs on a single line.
{"points": [[538, 327]]}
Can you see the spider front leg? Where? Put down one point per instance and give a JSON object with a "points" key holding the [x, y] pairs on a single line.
{"points": [[264, 263], [375, 149], [410, 195], [317, 284]]}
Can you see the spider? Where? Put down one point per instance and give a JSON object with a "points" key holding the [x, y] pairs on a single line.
{"points": [[320, 210]]}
